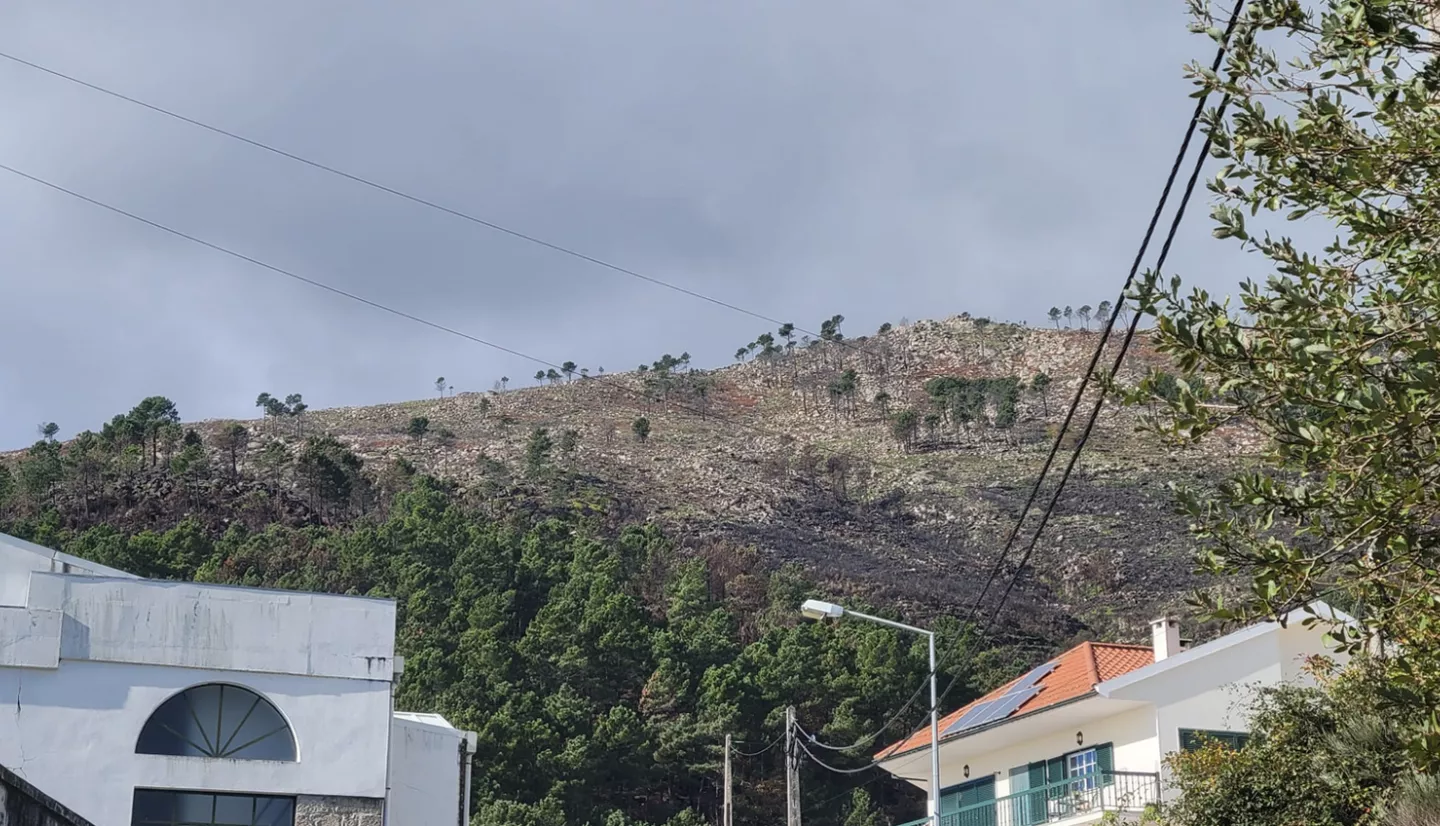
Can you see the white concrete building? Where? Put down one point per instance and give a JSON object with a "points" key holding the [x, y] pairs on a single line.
{"points": [[135, 701], [1087, 732]]}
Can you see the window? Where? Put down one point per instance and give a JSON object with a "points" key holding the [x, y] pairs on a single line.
{"points": [[218, 721], [1083, 767], [1192, 739], [967, 795], [156, 807]]}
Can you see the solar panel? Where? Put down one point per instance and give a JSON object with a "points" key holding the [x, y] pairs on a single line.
{"points": [[1008, 704], [1034, 676], [968, 718], [1003, 706]]}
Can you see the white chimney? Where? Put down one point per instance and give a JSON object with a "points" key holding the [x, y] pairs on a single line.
{"points": [[1165, 636]]}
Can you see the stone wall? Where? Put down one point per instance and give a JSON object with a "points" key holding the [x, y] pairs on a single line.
{"points": [[24, 805], [337, 811]]}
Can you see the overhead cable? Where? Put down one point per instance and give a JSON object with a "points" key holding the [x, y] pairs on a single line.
{"points": [[1001, 558]]}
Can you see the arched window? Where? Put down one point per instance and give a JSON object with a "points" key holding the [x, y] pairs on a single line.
{"points": [[218, 721]]}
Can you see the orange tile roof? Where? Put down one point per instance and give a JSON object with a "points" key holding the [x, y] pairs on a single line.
{"points": [[1076, 673]]}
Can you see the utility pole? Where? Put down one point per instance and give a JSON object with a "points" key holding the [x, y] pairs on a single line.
{"points": [[792, 771], [728, 818]]}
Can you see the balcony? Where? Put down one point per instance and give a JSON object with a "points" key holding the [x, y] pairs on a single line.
{"points": [[1075, 800]]}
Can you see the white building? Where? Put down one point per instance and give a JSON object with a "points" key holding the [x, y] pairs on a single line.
{"points": [[1087, 732], [132, 701]]}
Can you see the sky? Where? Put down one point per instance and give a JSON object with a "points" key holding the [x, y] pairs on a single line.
{"points": [[798, 159]]}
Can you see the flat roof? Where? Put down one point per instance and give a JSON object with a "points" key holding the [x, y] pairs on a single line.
{"points": [[63, 558]]}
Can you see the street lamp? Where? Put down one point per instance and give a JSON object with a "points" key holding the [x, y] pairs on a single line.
{"points": [[820, 610]]}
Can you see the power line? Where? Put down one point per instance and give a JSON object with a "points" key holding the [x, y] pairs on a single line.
{"points": [[402, 313], [1031, 646], [1119, 356], [416, 199], [822, 764], [1079, 393], [611, 381], [773, 743], [814, 807], [1114, 314]]}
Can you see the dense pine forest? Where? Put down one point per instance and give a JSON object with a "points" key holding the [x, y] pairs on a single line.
{"points": [[601, 662]]}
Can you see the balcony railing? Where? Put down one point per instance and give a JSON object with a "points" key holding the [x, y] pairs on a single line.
{"points": [[1093, 793]]}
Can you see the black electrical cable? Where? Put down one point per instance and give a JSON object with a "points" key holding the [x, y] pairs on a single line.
{"points": [[738, 753], [1130, 332], [609, 381], [1080, 391], [425, 202]]}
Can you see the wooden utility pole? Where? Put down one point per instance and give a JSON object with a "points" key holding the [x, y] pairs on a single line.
{"points": [[728, 817], [792, 771]]}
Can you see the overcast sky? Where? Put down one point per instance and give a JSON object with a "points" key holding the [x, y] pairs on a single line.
{"points": [[803, 158]]}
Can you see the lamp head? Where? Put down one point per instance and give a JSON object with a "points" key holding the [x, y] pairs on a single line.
{"points": [[818, 610]]}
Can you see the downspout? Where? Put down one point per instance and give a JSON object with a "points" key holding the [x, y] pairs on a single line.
{"points": [[398, 670], [467, 755]]}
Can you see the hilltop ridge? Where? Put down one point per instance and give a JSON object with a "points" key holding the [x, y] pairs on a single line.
{"points": [[798, 453], [891, 467]]}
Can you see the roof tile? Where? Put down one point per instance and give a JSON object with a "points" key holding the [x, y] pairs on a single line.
{"points": [[1076, 673]]}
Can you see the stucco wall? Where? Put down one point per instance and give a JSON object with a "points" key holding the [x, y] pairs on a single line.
{"points": [[29, 638], [18, 559], [69, 728], [427, 775], [1213, 692], [1132, 734], [216, 627], [21, 804], [15, 570]]}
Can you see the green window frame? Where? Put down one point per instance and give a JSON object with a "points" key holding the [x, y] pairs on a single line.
{"points": [[1056, 769], [1191, 739]]}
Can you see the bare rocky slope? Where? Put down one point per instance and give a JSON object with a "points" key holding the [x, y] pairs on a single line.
{"points": [[786, 455]]}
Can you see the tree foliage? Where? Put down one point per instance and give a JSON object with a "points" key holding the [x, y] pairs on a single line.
{"points": [[1331, 755], [641, 428], [600, 665], [967, 402], [1333, 358]]}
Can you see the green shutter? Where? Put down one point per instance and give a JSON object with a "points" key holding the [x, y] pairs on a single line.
{"points": [[983, 792], [1055, 770], [967, 794], [1105, 763], [977, 791], [1029, 807], [949, 801], [1189, 739]]}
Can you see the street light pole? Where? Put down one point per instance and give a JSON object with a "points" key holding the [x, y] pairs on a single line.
{"points": [[934, 739], [816, 609]]}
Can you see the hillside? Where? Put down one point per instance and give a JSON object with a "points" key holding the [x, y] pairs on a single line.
{"points": [[605, 598], [765, 454]]}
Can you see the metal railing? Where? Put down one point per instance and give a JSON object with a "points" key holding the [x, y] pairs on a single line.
{"points": [[1092, 793]]}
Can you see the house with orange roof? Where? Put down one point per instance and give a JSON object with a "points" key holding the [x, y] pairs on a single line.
{"points": [[1087, 732]]}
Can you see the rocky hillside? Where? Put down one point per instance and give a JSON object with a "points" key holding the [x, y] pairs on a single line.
{"points": [[798, 453]]}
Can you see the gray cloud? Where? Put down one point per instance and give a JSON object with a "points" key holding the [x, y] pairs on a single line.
{"points": [[800, 159]]}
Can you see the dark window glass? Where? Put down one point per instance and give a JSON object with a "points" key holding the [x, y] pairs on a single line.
{"points": [[1192, 739], [218, 721], [154, 807]]}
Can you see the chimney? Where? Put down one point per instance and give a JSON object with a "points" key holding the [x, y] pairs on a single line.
{"points": [[1165, 636]]}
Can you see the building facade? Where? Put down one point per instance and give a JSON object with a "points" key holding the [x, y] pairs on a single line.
{"points": [[21, 804], [134, 701], [1087, 733]]}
